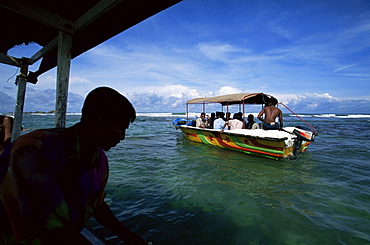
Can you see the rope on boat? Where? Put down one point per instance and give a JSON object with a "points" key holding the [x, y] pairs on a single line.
{"points": [[300, 118]]}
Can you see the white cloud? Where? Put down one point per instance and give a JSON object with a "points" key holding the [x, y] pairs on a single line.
{"points": [[250, 47], [79, 80], [174, 98], [177, 91], [325, 103], [344, 67], [227, 90], [217, 52]]}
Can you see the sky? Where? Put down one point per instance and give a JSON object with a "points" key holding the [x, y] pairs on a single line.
{"points": [[312, 55]]}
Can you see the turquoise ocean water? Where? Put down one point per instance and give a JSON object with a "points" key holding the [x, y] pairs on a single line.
{"points": [[173, 191]]}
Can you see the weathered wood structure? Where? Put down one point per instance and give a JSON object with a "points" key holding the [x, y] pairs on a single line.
{"points": [[64, 29]]}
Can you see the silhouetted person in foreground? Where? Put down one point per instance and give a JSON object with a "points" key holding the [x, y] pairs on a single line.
{"points": [[57, 177]]}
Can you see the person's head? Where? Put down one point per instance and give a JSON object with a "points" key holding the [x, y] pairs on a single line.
{"points": [[238, 115], [250, 117], [107, 114], [220, 114], [272, 101], [202, 115]]}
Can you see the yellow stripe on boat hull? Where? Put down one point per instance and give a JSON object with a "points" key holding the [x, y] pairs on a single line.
{"points": [[271, 148]]}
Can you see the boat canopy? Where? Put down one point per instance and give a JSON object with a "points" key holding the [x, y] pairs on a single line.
{"points": [[232, 99]]}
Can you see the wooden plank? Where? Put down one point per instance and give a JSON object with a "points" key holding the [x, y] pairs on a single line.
{"points": [[9, 60], [44, 51], [63, 69]]}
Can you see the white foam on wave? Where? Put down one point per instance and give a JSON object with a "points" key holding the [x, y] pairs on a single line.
{"points": [[166, 114], [332, 115], [53, 114], [355, 116]]}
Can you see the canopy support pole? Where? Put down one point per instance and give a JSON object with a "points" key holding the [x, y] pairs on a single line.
{"points": [[63, 70], [187, 111], [19, 104]]}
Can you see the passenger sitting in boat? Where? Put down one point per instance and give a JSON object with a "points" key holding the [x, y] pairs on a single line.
{"points": [[227, 116], [211, 120], [271, 113], [201, 121], [219, 122], [234, 123], [239, 116], [251, 124]]}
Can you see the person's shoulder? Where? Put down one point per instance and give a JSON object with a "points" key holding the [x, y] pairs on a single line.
{"points": [[37, 137], [32, 139]]}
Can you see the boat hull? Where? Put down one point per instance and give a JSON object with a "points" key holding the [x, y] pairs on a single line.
{"points": [[270, 147]]}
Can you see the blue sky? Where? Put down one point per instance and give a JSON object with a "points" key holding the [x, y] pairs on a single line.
{"points": [[314, 56]]}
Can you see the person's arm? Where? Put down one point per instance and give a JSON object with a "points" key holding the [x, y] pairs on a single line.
{"points": [[196, 123], [63, 236], [105, 216], [7, 125], [260, 115], [281, 120], [223, 127], [244, 124]]}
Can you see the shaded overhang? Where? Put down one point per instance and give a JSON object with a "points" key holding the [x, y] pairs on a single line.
{"points": [[232, 99], [64, 29], [89, 22]]}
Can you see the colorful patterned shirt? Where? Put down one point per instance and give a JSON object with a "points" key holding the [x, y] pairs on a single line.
{"points": [[54, 180]]}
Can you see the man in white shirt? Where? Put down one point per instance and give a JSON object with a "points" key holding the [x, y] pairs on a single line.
{"points": [[233, 124], [201, 121]]}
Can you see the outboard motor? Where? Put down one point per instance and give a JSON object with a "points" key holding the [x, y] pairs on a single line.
{"points": [[303, 134]]}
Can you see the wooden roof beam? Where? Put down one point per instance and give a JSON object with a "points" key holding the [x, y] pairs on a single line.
{"points": [[44, 51], [95, 12], [9, 60]]}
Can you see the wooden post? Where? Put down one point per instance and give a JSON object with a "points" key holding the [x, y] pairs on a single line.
{"points": [[18, 110], [63, 69]]}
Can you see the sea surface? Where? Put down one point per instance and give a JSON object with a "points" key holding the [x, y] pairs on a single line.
{"points": [[173, 191]]}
